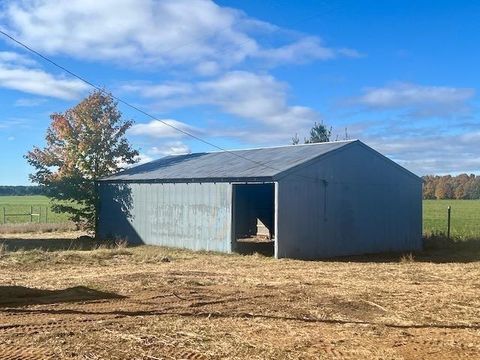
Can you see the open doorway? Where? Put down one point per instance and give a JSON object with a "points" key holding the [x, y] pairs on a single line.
{"points": [[254, 218]]}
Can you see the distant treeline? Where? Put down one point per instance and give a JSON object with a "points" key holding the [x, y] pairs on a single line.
{"points": [[21, 190], [462, 186]]}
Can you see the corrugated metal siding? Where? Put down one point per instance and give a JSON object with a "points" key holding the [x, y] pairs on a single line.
{"points": [[370, 205], [193, 216], [227, 165]]}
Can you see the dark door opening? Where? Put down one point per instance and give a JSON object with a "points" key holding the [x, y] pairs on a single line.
{"points": [[254, 219]]}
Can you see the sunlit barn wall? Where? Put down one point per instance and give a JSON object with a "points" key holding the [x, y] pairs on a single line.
{"points": [[187, 215]]}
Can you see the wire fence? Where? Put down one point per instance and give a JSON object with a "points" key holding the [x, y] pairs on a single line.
{"points": [[41, 214], [464, 217]]}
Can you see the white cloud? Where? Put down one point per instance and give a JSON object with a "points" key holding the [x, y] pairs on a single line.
{"points": [[133, 31], [426, 147], [258, 97], [13, 57], [11, 138], [304, 50], [11, 123], [421, 100], [198, 33], [142, 159], [20, 73], [158, 129], [159, 91], [29, 102], [434, 154], [352, 53], [170, 148], [207, 68], [261, 100]]}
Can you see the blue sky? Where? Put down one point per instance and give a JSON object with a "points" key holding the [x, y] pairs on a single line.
{"points": [[400, 76]]}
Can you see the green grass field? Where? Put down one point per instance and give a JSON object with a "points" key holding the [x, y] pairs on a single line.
{"points": [[23, 205], [465, 217]]}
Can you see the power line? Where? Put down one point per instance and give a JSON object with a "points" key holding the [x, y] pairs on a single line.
{"points": [[120, 100], [88, 82]]}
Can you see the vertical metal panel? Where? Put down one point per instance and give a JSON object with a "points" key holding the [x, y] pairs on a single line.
{"points": [[369, 205], [194, 216], [275, 251]]}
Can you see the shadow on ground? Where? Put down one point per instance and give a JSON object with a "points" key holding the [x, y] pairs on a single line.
{"points": [[439, 248], [436, 249], [11, 296]]}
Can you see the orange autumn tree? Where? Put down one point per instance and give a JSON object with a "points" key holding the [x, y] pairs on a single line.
{"points": [[83, 144]]}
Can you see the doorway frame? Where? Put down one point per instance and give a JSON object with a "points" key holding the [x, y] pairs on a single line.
{"points": [[275, 213]]}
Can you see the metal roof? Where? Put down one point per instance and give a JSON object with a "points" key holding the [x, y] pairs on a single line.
{"points": [[233, 165]]}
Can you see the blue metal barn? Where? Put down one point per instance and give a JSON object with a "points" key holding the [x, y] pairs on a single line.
{"points": [[304, 201]]}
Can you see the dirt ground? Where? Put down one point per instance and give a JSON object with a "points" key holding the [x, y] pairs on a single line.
{"points": [[157, 303]]}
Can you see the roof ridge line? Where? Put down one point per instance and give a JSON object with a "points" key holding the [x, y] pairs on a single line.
{"points": [[269, 147]]}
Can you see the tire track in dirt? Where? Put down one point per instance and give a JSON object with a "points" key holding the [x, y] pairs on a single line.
{"points": [[20, 323], [73, 317], [24, 353]]}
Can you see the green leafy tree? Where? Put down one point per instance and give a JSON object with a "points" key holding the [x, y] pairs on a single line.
{"points": [[83, 144]]}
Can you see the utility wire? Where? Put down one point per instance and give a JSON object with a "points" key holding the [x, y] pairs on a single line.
{"points": [[149, 115], [136, 108], [120, 100], [88, 82]]}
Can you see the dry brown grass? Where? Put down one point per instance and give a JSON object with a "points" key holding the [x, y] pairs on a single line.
{"points": [[36, 228], [407, 258], [115, 302]]}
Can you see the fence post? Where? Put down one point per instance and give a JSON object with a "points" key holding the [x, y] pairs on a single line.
{"points": [[4, 216], [46, 214], [449, 211]]}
